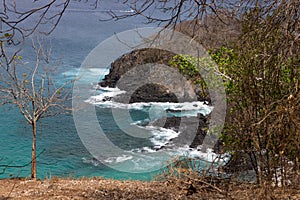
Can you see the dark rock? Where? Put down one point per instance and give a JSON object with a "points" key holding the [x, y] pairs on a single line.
{"points": [[219, 147], [192, 129], [133, 59], [164, 80], [107, 98], [241, 161], [153, 93], [201, 132]]}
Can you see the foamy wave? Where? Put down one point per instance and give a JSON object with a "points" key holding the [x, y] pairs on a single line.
{"points": [[105, 100], [161, 136], [208, 155], [140, 123], [107, 89], [92, 161], [139, 159], [118, 159]]}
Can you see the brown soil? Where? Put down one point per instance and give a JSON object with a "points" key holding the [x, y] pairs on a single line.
{"points": [[98, 188]]}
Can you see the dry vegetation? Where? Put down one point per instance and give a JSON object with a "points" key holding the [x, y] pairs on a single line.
{"points": [[98, 188], [263, 99]]}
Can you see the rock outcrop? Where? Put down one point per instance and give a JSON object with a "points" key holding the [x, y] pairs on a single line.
{"points": [[174, 91], [209, 38], [133, 59], [153, 93]]}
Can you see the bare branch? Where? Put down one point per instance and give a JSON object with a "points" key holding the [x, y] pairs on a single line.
{"points": [[7, 166], [32, 90]]}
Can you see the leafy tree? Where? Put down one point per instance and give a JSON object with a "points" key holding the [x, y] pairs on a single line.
{"points": [[265, 97], [260, 68]]}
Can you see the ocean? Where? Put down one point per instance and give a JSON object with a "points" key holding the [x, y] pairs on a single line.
{"points": [[60, 149]]}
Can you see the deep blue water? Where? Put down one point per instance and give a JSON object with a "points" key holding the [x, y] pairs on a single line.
{"points": [[61, 152]]}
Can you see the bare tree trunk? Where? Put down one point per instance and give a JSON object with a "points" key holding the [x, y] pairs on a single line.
{"points": [[33, 152]]}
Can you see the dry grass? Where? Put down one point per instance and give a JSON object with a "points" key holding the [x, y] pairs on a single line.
{"points": [[98, 188]]}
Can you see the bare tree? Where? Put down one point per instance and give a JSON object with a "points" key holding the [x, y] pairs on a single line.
{"points": [[32, 90], [209, 20], [19, 20], [169, 13]]}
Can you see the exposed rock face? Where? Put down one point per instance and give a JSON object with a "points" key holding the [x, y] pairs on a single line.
{"points": [[153, 93], [152, 81], [146, 77], [167, 89], [211, 36], [133, 59]]}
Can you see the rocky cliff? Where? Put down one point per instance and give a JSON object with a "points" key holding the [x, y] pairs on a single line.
{"points": [[133, 59], [210, 36], [151, 92]]}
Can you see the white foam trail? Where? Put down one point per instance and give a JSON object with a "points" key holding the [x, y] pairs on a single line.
{"points": [[149, 156], [105, 100], [118, 159], [140, 123], [106, 97], [92, 161], [161, 136], [107, 89], [208, 155]]}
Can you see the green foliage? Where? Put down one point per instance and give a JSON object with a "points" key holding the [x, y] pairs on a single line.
{"points": [[188, 66], [262, 93], [6, 35], [226, 58], [261, 73]]}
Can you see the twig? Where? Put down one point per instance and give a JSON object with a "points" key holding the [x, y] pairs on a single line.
{"points": [[18, 166]]}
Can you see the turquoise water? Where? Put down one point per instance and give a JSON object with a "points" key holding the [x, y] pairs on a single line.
{"points": [[61, 152]]}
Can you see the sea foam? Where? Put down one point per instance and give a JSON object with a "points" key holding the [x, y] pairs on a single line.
{"points": [[106, 100], [161, 138]]}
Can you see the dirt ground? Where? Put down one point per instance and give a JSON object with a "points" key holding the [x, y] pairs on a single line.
{"points": [[98, 188]]}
